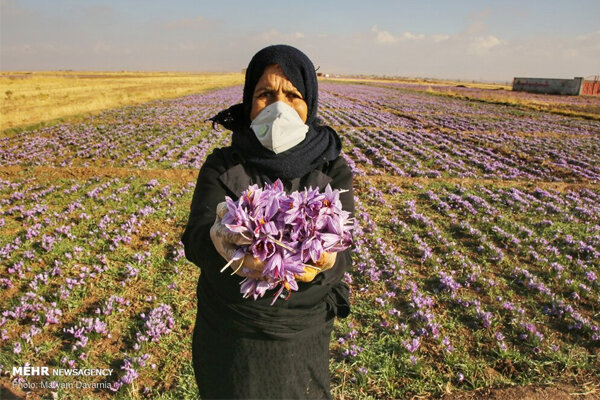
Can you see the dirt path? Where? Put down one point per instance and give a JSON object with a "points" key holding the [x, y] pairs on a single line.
{"points": [[402, 180], [183, 176], [51, 173], [562, 391]]}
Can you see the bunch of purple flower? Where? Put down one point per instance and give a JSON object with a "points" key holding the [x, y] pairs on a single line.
{"points": [[287, 233]]}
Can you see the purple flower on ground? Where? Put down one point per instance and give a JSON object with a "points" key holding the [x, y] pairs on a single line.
{"points": [[412, 345], [158, 322], [446, 342], [591, 276]]}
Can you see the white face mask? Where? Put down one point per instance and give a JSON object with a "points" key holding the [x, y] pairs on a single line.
{"points": [[278, 127]]}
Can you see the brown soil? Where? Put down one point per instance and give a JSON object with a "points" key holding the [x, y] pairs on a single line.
{"points": [[401, 180], [7, 392], [183, 176], [51, 173], [532, 392]]}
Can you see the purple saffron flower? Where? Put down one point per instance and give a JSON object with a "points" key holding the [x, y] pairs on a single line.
{"points": [[412, 345], [286, 232]]}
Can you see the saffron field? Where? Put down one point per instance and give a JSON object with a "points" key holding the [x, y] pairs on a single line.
{"points": [[476, 261]]}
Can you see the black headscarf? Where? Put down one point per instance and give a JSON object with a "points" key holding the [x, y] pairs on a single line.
{"points": [[322, 144]]}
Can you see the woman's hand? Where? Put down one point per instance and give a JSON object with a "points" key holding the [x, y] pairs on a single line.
{"points": [[326, 261], [227, 242]]}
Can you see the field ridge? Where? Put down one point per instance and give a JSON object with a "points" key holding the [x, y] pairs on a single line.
{"points": [[183, 175]]}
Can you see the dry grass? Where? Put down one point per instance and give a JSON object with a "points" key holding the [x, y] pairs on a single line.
{"points": [[430, 82], [588, 109], [28, 98]]}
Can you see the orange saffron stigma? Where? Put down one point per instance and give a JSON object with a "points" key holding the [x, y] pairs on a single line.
{"points": [[326, 203]]}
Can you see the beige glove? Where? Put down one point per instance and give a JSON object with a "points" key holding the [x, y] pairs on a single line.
{"points": [[326, 261], [226, 243]]}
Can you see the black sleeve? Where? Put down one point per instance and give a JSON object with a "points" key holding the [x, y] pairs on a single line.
{"points": [[209, 192], [342, 178]]}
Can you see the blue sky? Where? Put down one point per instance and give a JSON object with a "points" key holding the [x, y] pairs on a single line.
{"points": [[473, 40]]}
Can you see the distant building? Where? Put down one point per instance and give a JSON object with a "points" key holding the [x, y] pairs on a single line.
{"points": [[591, 86], [570, 87]]}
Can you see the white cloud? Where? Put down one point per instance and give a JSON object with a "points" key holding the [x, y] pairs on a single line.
{"points": [[275, 36], [383, 37], [439, 38], [270, 35], [482, 44], [387, 38], [412, 36]]}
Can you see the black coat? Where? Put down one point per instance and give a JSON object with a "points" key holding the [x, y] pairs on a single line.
{"points": [[248, 349]]}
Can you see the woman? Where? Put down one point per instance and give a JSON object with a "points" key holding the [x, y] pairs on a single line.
{"points": [[244, 348]]}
